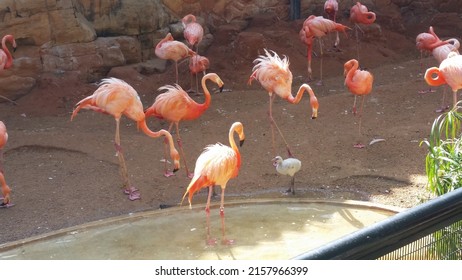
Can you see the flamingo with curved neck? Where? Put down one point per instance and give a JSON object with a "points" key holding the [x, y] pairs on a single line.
{"points": [[359, 14], [6, 59], [197, 64], [275, 77], [193, 31], [429, 41], [116, 97], [449, 72], [216, 165], [170, 49], [175, 105], [359, 82], [4, 186]]}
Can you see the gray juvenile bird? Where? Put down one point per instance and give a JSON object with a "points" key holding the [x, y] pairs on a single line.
{"points": [[288, 166]]}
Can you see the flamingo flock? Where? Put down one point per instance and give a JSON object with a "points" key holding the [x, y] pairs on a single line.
{"points": [[219, 163]]}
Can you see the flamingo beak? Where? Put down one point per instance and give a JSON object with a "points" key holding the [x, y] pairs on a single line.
{"points": [[314, 115], [221, 88], [241, 142]]}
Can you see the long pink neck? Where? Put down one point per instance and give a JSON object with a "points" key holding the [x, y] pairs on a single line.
{"points": [[232, 142], [155, 134], [313, 100], [8, 38], [299, 95], [207, 96], [189, 19], [351, 73]]}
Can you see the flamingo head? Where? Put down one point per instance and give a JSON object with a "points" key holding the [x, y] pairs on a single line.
{"points": [[276, 161]]}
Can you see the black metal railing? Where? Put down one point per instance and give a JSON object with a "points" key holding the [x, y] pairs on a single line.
{"points": [[432, 230]]}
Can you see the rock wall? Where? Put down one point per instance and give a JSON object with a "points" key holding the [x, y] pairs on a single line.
{"points": [[89, 37]]}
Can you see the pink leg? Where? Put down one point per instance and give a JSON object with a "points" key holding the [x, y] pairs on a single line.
{"points": [[133, 193], [273, 125], [210, 241], [180, 145], [224, 239], [359, 145]]}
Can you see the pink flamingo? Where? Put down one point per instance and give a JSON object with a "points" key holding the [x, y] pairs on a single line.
{"points": [[6, 59], [317, 27], [359, 82], [216, 165], [275, 77], [426, 42], [5, 188], [198, 64], [449, 72], [175, 105], [441, 53], [193, 31], [331, 9], [116, 97], [359, 14], [168, 48]]}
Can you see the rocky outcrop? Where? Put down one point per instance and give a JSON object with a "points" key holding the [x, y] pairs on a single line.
{"points": [[90, 37]]}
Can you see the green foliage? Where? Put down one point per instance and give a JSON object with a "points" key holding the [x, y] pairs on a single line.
{"points": [[444, 172], [444, 158]]}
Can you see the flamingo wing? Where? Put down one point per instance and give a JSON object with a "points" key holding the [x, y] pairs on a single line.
{"points": [[3, 59], [361, 83], [114, 97], [273, 74], [193, 33], [3, 135], [174, 50], [174, 104]]}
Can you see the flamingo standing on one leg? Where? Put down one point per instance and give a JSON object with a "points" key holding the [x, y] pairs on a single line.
{"points": [[331, 9], [317, 27], [198, 64], [216, 165], [175, 105], [275, 77], [168, 48], [6, 59], [359, 14], [449, 72], [288, 166], [193, 31], [359, 83], [5, 188], [441, 53], [116, 97]]}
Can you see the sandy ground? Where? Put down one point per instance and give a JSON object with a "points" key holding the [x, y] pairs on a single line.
{"points": [[65, 173]]}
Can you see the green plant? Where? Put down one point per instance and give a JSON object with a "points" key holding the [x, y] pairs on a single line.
{"points": [[444, 172], [444, 157]]}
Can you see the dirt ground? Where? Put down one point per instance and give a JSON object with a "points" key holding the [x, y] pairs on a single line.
{"points": [[65, 173]]}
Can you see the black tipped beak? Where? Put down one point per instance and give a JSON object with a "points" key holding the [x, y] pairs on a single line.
{"points": [[14, 49], [221, 88], [175, 170], [313, 118], [241, 143]]}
